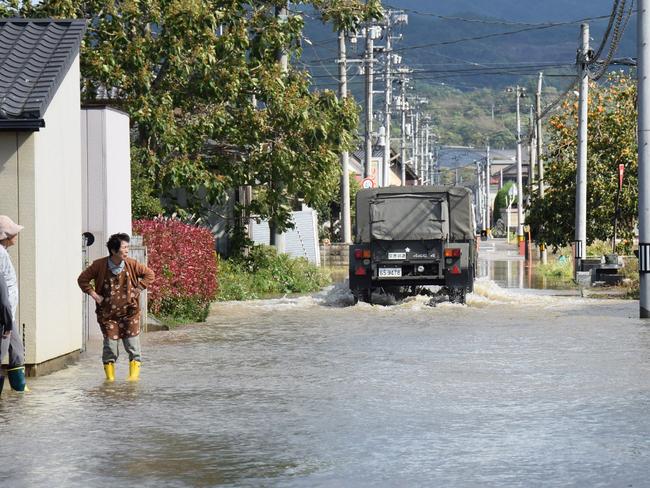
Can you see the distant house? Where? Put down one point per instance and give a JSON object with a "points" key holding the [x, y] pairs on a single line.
{"points": [[504, 166], [357, 161], [40, 181]]}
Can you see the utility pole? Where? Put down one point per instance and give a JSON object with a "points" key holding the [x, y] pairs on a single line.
{"points": [[519, 92], [532, 152], [416, 144], [581, 172], [427, 158], [488, 213], [388, 100], [643, 77], [276, 238], [540, 164], [346, 222], [479, 197], [403, 108], [369, 55]]}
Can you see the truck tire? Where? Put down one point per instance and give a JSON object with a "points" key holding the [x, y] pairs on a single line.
{"points": [[457, 294], [362, 294]]}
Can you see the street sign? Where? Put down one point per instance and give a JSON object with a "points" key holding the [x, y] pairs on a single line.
{"points": [[367, 183], [621, 172]]}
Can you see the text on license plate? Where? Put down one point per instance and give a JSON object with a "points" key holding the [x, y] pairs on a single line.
{"points": [[390, 272], [396, 255]]}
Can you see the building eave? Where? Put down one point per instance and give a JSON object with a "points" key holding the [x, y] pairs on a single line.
{"points": [[21, 125]]}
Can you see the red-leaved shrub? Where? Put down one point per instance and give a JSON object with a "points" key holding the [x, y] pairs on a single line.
{"points": [[183, 258]]}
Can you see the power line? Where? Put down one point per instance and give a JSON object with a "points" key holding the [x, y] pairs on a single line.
{"points": [[482, 21], [502, 34]]}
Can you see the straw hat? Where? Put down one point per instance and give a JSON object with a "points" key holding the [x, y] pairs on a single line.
{"points": [[8, 227]]}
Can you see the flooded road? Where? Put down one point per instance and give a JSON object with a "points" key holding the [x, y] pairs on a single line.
{"points": [[514, 389]]}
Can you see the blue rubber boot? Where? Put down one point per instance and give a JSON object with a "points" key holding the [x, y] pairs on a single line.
{"points": [[17, 378]]}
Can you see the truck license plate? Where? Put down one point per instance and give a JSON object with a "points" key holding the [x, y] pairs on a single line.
{"points": [[390, 272], [397, 255]]}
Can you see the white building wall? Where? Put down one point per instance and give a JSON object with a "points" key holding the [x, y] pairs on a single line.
{"points": [[301, 241], [57, 227], [106, 183], [16, 201]]}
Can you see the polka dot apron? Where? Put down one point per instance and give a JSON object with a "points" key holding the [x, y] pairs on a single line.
{"points": [[119, 314]]}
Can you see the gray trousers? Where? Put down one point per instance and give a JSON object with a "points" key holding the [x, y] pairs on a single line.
{"points": [[111, 352], [14, 347]]}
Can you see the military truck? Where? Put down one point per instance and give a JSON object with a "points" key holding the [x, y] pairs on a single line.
{"points": [[410, 237]]}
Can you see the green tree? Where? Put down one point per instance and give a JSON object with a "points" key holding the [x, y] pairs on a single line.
{"points": [[611, 141], [210, 107]]}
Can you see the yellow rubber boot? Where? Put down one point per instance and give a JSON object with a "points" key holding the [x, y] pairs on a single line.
{"points": [[109, 369], [134, 371]]}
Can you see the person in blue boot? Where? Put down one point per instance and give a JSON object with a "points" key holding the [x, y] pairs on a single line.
{"points": [[14, 346], [6, 321]]}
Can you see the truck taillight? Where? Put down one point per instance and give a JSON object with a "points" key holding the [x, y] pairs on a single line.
{"points": [[452, 252], [360, 271], [358, 254], [455, 269]]}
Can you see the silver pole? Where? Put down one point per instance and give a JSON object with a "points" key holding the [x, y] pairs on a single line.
{"points": [[520, 188], [403, 129], [532, 152], [369, 100], [427, 176], [278, 238], [488, 202], [479, 196], [643, 76], [581, 170], [387, 106], [540, 164], [346, 222]]}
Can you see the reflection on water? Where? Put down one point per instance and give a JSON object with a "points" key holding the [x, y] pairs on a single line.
{"points": [[519, 274], [514, 389], [514, 273]]}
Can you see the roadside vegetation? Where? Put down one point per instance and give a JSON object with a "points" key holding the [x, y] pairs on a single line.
{"points": [[265, 273], [611, 141], [560, 265], [182, 257]]}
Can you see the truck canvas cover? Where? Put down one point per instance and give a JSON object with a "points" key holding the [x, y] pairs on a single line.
{"points": [[414, 213]]}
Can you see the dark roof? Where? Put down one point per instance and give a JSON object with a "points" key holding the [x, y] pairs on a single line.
{"points": [[360, 154], [457, 156], [35, 55]]}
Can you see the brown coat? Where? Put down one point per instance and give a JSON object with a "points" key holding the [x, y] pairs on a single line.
{"points": [[140, 276]]}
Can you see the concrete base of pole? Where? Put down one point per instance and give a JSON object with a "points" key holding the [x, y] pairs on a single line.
{"points": [[644, 295], [542, 256], [583, 279]]}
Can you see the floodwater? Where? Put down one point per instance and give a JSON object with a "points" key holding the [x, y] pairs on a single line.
{"points": [[516, 389]]}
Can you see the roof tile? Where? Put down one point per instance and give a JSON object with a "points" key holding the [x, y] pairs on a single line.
{"points": [[35, 55]]}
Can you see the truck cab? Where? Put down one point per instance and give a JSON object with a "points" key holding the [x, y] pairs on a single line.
{"points": [[408, 238]]}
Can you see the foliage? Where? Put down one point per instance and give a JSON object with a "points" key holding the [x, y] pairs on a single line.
{"points": [[182, 310], [611, 141], [501, 200], [630, 272], [210, 106], [599, 248], [560, 269], [264, 272], [329, 212], [183, 258]]}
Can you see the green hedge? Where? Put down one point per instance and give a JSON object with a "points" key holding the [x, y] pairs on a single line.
{"points": [[264, 273]]}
